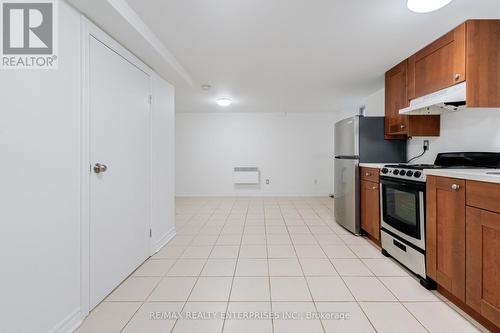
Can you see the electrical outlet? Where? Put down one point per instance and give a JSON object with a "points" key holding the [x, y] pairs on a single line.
{"points": [[426, 144], [267, 181]]}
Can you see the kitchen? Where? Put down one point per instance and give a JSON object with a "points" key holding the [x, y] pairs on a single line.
{"points": [[250, 166], [439, 220]]}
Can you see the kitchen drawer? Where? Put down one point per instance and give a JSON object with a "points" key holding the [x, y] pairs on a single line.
{"points": [[370, 174], [483, 195]]}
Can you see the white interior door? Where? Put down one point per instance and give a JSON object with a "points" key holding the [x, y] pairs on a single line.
{"points": [[120, 195]]}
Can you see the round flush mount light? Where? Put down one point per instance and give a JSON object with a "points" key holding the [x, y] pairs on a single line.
{"points": [[223, 102], [426, 6]]}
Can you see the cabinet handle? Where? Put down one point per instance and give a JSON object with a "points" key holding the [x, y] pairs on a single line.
{"points": [[457, 76], [374, 187], [455, 187], [368, 174], [402, 126]]}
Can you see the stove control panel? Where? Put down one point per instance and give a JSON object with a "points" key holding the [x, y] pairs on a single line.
{"points": [[402, 173]]}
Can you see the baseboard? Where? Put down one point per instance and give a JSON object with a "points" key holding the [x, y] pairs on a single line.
{"points": [[164, 240], [70, 323], [252, 195]]}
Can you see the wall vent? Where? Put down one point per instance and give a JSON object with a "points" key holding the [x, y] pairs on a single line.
{"points": [[246, 175]]}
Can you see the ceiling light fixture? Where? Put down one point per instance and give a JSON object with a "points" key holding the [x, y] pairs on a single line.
{"points": [[224, 102], [426, 6]]}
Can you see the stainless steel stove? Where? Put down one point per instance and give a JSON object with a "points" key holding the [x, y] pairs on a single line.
{"points": [[402, 195]]}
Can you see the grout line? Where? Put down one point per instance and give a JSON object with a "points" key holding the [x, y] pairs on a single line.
{"points": [[197, 279], [304, 277], [235, 268]]}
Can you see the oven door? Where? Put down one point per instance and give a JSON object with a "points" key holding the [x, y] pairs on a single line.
{"points": [[403, 209]]}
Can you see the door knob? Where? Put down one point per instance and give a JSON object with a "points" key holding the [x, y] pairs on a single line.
{"points": [[99, 168], [457, 77]]}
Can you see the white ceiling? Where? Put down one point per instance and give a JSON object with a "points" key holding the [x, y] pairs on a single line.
{"points": [[293, 55]]}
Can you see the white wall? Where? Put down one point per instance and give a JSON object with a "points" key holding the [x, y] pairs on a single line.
{"points": [[375, 104], [467, 130], [40, 189], [292, 150], [40, 201], [163, 165]]}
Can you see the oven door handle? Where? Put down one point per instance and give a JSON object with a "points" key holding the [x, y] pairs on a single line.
{"points": [[403, 184]]}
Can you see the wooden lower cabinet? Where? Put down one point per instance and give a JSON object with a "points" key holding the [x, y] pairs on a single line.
{"points": [[463, 245], [445, 226], [483, 263], [370, 209]]}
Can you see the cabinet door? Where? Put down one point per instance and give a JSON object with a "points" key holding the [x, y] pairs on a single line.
{"points": [[439, 65], [483, 263], [445, 252], [483, 63], [370, 208], [396, 98]]}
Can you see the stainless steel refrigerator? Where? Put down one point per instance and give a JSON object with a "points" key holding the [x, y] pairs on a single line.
{"points": [[357, 140]]}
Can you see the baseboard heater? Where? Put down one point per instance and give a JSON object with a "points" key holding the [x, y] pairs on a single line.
{"points": [[246, 176]]}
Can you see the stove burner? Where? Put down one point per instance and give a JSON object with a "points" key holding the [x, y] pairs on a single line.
{"points": [[443, 161]]}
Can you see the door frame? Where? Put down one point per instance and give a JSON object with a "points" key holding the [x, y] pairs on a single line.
{"points": [[90, 30]]}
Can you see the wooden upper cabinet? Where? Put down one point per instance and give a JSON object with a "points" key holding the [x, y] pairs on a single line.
{"points": [[483, 263], [445, 232], [471, 53], [396, 98], [439, 65], [483, 63]]}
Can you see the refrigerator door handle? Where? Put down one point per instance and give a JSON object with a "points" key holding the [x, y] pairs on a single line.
{"points": [[350, 157]]}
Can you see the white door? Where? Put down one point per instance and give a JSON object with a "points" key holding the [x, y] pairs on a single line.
{"points": [[120, 189]]}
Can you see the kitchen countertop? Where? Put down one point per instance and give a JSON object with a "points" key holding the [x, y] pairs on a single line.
{"points": [[373, 165], [469, 174]]}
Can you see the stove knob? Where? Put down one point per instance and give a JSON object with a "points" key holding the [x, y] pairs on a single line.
{"points": [[402, 172], [417, 174], [409, 173], [396, 172], [385, 170]]}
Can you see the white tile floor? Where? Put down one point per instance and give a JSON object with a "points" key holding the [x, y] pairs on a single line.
{"points": [[263, 255]]}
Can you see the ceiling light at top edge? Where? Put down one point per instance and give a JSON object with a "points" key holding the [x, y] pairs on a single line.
{"points": [[426, 6]]}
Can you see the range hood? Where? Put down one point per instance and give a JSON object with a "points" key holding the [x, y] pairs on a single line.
{"points": [[442, 101]]}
